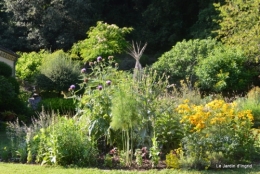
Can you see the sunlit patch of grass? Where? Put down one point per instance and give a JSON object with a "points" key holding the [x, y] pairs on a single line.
{"points": [[11, 168]]}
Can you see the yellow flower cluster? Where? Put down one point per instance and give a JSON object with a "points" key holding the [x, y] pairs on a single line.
{"points": [[214, 113]]}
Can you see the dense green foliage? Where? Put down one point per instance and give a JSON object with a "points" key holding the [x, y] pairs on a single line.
{"points": [[49, 24], [223, 70], [207, 14], [52, 25], [59, 105], [208, 64], [239, 26], [28, 65], [103, 39], [180, 62], [52, 139], [7, 92], [5, 70], [57, 72], [10, 101]]}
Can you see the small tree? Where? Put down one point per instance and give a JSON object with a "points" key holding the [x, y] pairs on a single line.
{"points": [[103, 39], [239, 26]]}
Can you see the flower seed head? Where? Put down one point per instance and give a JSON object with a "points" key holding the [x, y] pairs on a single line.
{"points": [[110, 57]]}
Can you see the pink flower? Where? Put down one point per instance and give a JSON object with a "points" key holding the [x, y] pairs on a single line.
{"points": [[108, 82], [83, 70], [100, 87]]}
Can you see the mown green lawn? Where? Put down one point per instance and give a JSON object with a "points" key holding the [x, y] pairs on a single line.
{"points": [[10, 168]]}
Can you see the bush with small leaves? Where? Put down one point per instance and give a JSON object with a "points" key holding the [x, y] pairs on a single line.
{"points": [[58, 72]]}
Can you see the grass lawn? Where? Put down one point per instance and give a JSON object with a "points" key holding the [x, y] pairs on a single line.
{"points": [[10, 168]]}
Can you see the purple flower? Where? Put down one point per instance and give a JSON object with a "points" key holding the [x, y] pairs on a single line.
{"points": [[99, 58], [83, 70], [100, 87], [108, 82], [72, 87]]}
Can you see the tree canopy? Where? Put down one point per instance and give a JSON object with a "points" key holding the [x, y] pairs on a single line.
{"points": [[239, 26]]}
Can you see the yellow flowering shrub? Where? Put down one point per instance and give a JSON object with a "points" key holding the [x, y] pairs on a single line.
{"points": [[216, 112], [215, 127]]}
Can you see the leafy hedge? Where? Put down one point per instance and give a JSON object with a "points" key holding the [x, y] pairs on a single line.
{"points": [[63, 106]]}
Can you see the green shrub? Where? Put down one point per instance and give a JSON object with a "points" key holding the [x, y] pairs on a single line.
{"points": [[180, 62], [67, 145], [5, 70], [28, 65], [52, 139], [15, 84], [10, 101], [58, 72], [223, 70], [61, 105], [7, 92]]}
